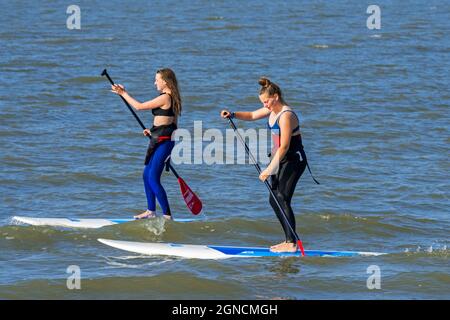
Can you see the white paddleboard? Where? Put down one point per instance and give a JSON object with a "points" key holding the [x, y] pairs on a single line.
{"points": [[219, 252], [80, 223]]}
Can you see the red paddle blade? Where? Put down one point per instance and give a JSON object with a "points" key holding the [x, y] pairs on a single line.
{"points": [[192, 201], [300, 246]]}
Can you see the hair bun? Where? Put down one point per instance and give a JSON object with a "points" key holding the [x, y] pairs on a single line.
{"points": [[264, 82]]}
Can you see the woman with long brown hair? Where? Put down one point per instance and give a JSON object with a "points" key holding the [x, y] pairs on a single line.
{"points": [[166, 109]]}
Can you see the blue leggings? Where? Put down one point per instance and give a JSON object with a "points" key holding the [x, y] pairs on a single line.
{"points": [[152, 177]]}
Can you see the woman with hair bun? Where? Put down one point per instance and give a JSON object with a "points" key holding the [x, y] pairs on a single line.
{"points": [[166, 109], [288, 159]]}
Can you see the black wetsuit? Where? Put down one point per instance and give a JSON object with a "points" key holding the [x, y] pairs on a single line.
{"points": [[161, 133], [290, 169]]}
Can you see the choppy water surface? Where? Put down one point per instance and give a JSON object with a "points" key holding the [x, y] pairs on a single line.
{"points": [[374, 116]]}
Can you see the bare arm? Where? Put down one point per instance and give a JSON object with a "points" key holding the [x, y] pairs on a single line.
{"points": [[287, 123], [253, 115], [159, 101], [248, 115]]}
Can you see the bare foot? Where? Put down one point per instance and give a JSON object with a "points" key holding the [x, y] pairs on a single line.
{"points": [[286, 247], [277, 245], [168, 217], [145, 215]]}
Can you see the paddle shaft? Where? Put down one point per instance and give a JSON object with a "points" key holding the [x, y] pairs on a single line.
{"points": [[105, 73], [258, 168]]}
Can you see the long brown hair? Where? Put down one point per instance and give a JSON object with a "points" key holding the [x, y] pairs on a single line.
{"points": [[169, 77], [270, 88]]}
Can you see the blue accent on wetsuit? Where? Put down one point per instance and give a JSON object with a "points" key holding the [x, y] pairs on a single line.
{"points": [[276, 126], [152, 177], [294, 146]]}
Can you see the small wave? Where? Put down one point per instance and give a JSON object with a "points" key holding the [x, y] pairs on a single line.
{"points": [[14, 161], [114, 262], [13, 222], [214, 18], [20, 64], [18, 70], [86, 79], [31, 237], [329, 123], [9, 36], [421, 48], [342, 46], [437, 251], [190, 50], [230, 27], [277, 298], [384, 224], [70, 40], [328, 217], [63, 179]]}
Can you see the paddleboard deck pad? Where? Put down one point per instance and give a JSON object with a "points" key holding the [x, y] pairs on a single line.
{"points": [[80, 223], [219, 252]]}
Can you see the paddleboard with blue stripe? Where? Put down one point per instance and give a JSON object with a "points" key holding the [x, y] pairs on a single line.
{"points": [[219, 252], [80, 223]]}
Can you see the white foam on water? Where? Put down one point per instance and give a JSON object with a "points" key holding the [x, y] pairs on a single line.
{"points": [[114, 262], [156, 225]]}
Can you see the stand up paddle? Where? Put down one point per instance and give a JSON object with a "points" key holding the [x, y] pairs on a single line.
{"points": [[192, 201], [258, 168]]}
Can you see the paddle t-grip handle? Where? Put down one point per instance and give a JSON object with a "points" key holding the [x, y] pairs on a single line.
{"points": [[105, 73]]}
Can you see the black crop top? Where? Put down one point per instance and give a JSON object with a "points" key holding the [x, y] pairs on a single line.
{"points": [[164, 112]]}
